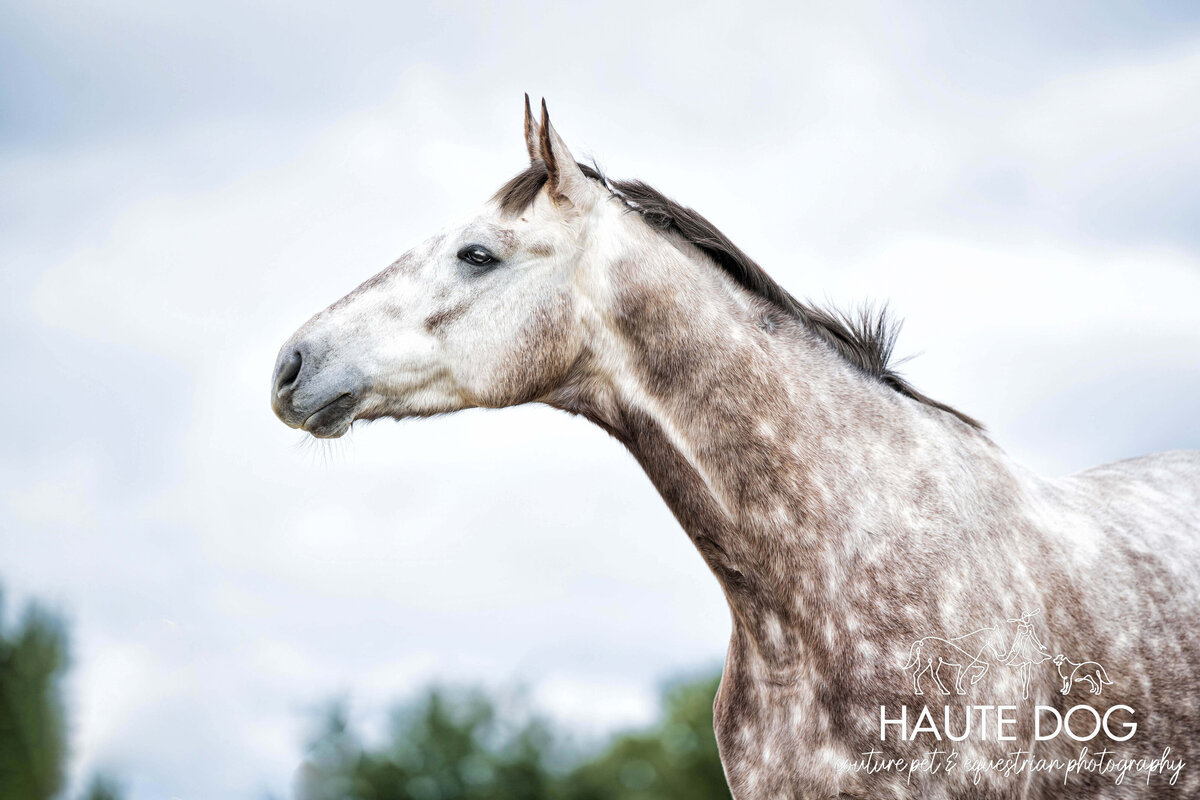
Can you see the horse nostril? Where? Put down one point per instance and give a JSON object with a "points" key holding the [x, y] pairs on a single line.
{"points": [[289, 369]]}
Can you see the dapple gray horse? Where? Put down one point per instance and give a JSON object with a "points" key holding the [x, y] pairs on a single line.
{"points": [[845, 514]]}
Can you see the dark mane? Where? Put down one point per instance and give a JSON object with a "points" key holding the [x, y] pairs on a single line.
{"points": [[865, 338]]}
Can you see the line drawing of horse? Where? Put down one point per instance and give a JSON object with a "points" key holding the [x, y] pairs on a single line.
{"points": [[976, 652], [810, 476], [1078, 672], [931, 653]]}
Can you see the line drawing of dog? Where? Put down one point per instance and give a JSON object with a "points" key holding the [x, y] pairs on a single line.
{"points": [[1073, 672]]}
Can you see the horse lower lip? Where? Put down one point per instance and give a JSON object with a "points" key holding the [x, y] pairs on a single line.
{"points": [[329, 418]]}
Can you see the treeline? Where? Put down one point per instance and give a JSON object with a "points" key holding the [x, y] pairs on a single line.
{"points": [[448, 744], [468, 745]]}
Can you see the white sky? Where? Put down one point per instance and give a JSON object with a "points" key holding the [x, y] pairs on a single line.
{"points": [[182, 186]]}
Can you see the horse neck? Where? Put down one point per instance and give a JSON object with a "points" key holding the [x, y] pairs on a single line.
{"points": [[779, 459]]}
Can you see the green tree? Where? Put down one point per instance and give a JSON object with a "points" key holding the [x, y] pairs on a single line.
{"points": [[448, 744], [32, 728], [102, 787], [466, 745], [675, 760], [33, 751]]}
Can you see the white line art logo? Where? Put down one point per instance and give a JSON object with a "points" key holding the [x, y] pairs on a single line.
{"points": [[1073, 672], [1026, 650], [973, 654], [932, 653]]}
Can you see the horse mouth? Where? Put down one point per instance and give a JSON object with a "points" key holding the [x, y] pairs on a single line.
{"points": [[332, 419]]}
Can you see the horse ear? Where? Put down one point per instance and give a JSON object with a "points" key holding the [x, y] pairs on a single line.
{"points": [[566, 183], [533, 134]]}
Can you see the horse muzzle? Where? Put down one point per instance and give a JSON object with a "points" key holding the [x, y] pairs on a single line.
{"points": [[310, 391]]}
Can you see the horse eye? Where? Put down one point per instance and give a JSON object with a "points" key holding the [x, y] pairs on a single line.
{"points": [[476, 254]]}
